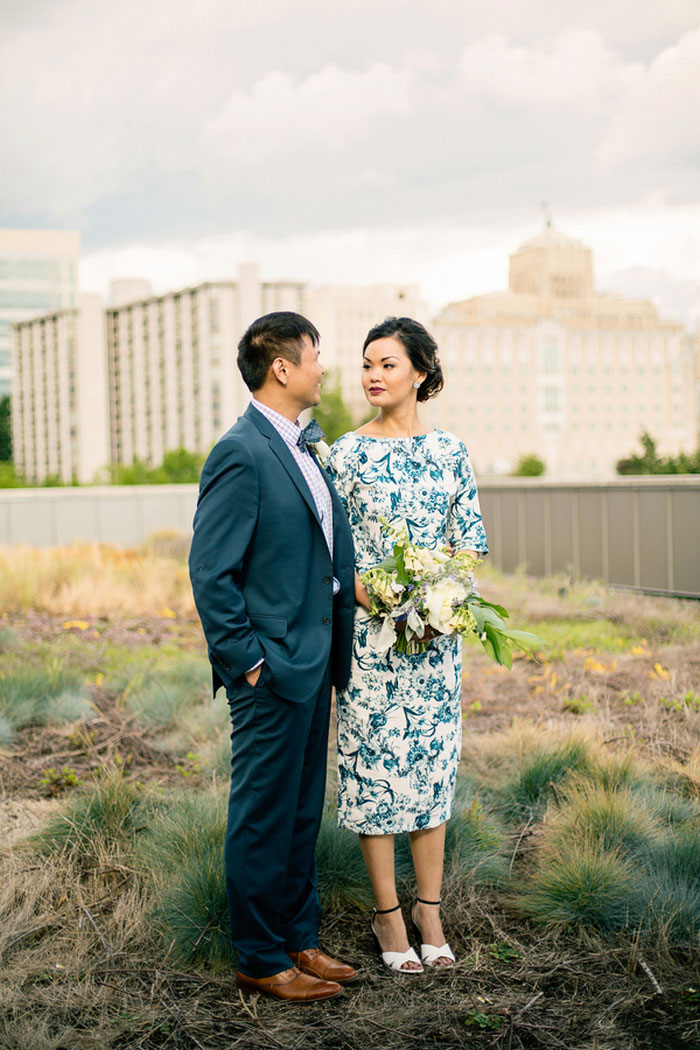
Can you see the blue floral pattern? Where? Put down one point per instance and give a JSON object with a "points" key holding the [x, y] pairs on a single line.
{"points": [[399, 717]]}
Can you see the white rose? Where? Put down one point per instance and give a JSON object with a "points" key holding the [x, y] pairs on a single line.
{"points": [[440, 601]]}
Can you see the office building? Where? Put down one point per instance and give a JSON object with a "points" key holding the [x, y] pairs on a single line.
{"points": [[38, 275], [172, 373], [59, 399], [344, 316], [550, 367]]}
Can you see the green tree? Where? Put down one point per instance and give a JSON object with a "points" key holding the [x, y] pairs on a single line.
{"points": [[179, 467], [5, 429], [649, 462], [333, 415], [9, 478], [646, 463], [530, 466]]}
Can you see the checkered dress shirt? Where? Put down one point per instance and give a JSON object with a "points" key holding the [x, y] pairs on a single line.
{"points": [[309, 467]]}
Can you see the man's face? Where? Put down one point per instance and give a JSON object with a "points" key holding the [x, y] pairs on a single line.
{"points": [[304, 379]]}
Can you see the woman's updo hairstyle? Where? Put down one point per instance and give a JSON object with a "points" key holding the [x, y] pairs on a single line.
{"points": [[420, 347]]}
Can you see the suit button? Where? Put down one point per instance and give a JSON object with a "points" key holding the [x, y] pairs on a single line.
{"points": [[327, 579], [326, 619]]}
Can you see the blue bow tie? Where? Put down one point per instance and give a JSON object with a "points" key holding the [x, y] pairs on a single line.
{"points": [[309, 435]]}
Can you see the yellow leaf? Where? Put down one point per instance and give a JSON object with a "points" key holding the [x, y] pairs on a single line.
{"points": [[80, 625], [661, 671], [168, 613], [99, 678]]}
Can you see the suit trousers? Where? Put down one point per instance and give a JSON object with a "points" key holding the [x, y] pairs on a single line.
{"points": [[278, 782]]}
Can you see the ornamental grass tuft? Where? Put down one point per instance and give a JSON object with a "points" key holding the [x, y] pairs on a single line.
{"points": [[33, 696], [671, 886], [526, 793], [160, 696], [191, 910], [182, 853], [101, 817], [343, 883], [617, 820], [582, 884]]}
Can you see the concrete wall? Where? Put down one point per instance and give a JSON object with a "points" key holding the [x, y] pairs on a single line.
{"points": [[637, 532], [120, 515]]}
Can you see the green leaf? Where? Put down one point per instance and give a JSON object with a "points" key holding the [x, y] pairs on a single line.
{"points": [[488, 646], [500, 644], [401, 574], [478, 600], [525, 640]]}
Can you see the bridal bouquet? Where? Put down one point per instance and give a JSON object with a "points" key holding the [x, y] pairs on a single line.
{"points": [[421, 593]]}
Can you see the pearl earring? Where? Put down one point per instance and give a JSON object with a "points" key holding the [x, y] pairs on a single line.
{"points": [[416, 384]]}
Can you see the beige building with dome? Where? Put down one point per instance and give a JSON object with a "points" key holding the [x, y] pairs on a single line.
{"points": [[553, 368]]}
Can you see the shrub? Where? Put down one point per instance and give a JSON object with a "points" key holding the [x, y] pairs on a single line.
{"points": [[530, 466]]}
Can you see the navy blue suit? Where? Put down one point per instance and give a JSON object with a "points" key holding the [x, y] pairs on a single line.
{"points": [[262, 578]]}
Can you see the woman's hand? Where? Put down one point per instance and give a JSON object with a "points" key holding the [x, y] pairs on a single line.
{"points": [[361, 593]]}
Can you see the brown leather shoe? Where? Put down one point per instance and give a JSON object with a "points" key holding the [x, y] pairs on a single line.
{"points": [[313, 961], [291, 986]]}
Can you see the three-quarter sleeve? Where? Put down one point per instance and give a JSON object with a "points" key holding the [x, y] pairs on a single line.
{"points": [[465, 528]]}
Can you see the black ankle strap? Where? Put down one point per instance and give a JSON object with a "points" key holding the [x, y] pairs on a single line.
{"points": [[385, 911], [421, 901]]}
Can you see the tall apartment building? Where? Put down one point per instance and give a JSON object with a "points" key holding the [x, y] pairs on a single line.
{"points": [[173, 378], [59, 400], [552, 368], [38, 275], [344, 316]]}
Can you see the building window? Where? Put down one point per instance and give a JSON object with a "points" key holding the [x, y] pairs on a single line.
{"points": [[551, 358], [551, 399]]}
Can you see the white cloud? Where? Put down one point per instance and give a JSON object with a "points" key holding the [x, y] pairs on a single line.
{"points": [[578, 73], [657, 116], [321, 112]]}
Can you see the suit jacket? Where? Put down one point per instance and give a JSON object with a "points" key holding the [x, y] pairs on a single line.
{"points": [[261, 572]]}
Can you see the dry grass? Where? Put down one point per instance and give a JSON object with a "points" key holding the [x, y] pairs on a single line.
{"points": [[555, 754], [93, 580]]}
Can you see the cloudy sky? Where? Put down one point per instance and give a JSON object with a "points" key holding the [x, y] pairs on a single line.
{"points": [[378, 140]]}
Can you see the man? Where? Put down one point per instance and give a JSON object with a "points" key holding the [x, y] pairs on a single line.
{"points": [[272, 572]]}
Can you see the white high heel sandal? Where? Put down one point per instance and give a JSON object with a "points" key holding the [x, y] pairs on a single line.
{"points": [[429, 953], [394, 960]]}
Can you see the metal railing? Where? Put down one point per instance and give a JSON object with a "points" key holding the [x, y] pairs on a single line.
{"points": [[639, 532]]}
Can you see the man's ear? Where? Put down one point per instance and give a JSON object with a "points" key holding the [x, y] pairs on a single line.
{"points": [[279, 370]]}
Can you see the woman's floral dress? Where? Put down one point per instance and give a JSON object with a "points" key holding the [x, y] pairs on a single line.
{"points": [[399, 717]]}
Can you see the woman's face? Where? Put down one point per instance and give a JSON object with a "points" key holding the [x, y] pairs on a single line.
{"points": [[388, 375]]}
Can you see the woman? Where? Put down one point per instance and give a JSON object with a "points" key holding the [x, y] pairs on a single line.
{"points": [[399, 718]]}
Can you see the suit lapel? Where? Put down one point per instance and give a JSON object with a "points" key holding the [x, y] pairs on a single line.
{"points": [[280, 448]]}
